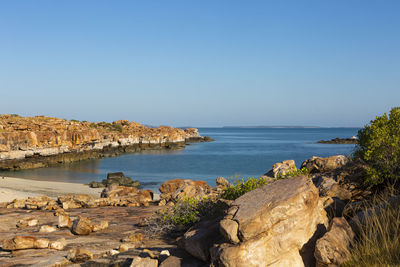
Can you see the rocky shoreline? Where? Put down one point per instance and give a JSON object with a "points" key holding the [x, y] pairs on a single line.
{"points": [[337, 140], [35, 142], [291, 221]]}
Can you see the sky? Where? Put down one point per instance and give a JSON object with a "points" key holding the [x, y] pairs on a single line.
{"points": [[201, 63]]}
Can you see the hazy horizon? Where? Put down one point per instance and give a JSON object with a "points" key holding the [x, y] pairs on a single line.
{"points": [[208, 63]]}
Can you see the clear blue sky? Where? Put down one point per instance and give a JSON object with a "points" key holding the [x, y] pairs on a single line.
{"points": [[201, 63]]}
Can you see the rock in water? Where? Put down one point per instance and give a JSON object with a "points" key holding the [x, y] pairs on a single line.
{"points": [[275, 223], [333, 248]]}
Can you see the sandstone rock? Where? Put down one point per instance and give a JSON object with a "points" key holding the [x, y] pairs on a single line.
{"points": [[146, 196], [27, 222], [77, 255], [144, 262], [82, 226], [112, 252], [25, 242], [229, 229], [281, 169], [328, 187], [133, 238], [98, 227], [200, 238], [318, 164], [118, 178], [64, 221], [179, 188], [221, 181], [114, 191], [58, 244], [73, 201], [333, 248], [47, 229], [127, 246], [275, 223]]}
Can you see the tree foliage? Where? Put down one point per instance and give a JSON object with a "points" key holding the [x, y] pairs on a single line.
{"points": [[379, 146]]}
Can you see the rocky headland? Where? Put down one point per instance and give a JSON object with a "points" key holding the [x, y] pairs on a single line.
{"points": [[34, 142], [295, 219]]}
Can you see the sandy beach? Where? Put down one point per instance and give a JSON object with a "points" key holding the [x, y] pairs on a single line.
{"points": [[12, 188]]}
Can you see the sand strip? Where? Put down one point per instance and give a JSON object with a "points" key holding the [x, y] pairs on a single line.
{"points": [[12, 188]]}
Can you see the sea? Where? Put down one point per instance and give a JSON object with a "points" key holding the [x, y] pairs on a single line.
{"points": [[236, 153]]}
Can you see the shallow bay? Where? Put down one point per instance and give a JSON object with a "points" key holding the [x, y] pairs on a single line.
{"points": [[237, 152]]}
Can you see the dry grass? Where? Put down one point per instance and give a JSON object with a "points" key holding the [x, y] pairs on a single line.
{"points": [[378, 233]]}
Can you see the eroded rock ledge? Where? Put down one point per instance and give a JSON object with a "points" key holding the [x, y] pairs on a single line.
{"points": [[34, 142]]}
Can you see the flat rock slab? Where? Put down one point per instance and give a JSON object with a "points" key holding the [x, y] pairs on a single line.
{"points": [[122, 222]]}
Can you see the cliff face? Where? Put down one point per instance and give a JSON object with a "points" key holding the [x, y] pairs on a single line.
{"points": [[25, 138]]}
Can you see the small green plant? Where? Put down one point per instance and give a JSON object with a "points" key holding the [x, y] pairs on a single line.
{"points": [[241, 187], [379, 146], [294, 173], [74, 120], [14, 115], [186, 212], [117, 127]]}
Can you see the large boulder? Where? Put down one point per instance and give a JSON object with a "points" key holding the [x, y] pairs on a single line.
{"points": [[200, 238], [275, 226], [115, 190], [280, 169], [333, 248], [180, 188], [119, 178], [318, 164], [82, 226]]}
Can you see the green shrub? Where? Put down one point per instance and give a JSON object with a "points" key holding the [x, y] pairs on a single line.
{"points": [[117, 127], [294, 173], [241, 187], [186, 212], [379, 146]]}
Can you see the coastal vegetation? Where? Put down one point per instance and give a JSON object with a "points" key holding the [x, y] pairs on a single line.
{"points": [[379, 146]]}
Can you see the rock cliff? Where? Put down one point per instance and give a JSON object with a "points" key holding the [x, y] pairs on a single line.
{"points": [[32, 142]]}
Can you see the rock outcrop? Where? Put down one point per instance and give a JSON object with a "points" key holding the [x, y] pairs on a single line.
{"points": [[272, 226], [318, 164], [181, 188], [33, 142], [333, 248]]}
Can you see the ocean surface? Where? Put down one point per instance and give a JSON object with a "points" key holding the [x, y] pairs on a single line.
{"points": [[236, 153]]}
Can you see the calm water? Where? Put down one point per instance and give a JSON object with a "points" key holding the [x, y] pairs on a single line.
{"points": [[236, 152]]}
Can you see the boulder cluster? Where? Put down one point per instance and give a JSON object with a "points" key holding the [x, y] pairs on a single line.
{"points": [[291, 221]]}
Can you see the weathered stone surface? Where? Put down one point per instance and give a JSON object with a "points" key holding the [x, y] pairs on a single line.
{"points": [[47, 229], [33, 142], [221, 181], [64, 221], [275, 223], [127, 246], [25, 242], [328, 187], [58, 244], [133, 238], [73, 201], [318, 164], [229, 229], [333, 248], [82, 226], [27, 222], [98, 227], [77, 255], [180, 188], [144, 262], [114, 191], [281, 169], [200, 238]]}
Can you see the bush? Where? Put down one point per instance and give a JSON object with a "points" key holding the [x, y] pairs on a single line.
{"points": [[379, 146], [294, 173], [185, 213], [241, 187]]}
